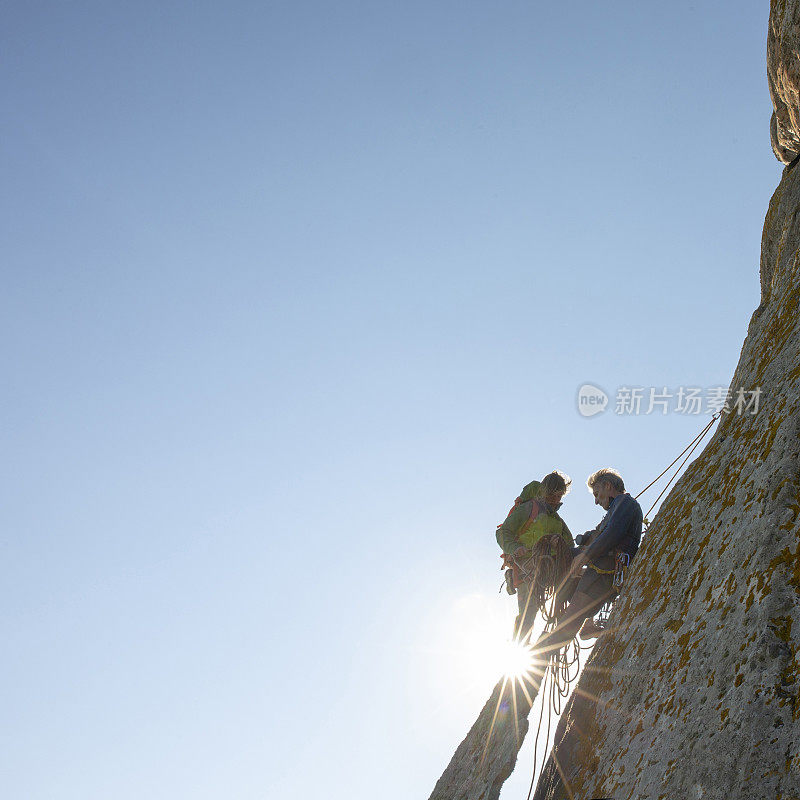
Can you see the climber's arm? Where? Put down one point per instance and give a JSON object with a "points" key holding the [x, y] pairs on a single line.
{"points": [[615, 529]]}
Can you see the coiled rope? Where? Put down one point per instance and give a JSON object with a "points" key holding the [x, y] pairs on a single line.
{"points": [[546, 569]]}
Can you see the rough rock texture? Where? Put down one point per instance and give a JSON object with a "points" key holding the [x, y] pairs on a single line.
{"points": [[477, 771], [698, 687], [783, 71]]}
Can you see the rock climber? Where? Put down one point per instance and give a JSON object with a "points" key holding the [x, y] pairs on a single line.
{"points": [[619, 532], [533, 516]]}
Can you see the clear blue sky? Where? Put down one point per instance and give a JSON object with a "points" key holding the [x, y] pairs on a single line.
{"points": [[296, 297]]}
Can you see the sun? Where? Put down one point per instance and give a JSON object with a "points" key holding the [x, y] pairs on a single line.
{"points": [[515, 659], [471, 646]]}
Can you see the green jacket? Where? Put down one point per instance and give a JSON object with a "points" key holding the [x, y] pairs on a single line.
{"points": [[529, 520]]}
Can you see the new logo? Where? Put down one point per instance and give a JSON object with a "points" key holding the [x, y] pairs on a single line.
{"points": [[591, 400]]}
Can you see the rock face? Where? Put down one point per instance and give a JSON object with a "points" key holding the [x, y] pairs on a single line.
{"points": [[482, 761], [697, 689], [783, 71]]}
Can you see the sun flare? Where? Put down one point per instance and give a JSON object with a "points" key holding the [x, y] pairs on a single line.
{"points": [[516, 660], [475, 648]]}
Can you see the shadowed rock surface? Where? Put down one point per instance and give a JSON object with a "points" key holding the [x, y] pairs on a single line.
{"points": [[697, 688], [470, 776]]}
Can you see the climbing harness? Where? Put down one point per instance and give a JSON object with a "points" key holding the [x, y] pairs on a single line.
{"points": [[621, 563], [601, 571]]}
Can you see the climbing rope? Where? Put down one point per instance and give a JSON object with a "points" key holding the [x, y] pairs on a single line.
{"points": [[551, 559], [691, 447], [560, 673]]}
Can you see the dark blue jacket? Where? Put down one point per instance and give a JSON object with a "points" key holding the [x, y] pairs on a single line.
{"points": [[621, 529]]}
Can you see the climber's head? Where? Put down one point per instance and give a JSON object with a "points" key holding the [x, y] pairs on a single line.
{"points": [[554, 487], [605, 485]]}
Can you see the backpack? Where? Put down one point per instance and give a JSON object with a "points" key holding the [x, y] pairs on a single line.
{"points": [[519, 514]]}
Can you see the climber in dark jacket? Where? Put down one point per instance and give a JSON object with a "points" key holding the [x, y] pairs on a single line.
{"points": [[620, 531]]}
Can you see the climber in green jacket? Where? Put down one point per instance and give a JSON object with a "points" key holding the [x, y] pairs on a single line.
{"points": [[533, 516]]}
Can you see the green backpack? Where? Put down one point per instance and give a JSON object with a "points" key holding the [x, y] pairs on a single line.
{"points": [[525, 524], [508, 532]]}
